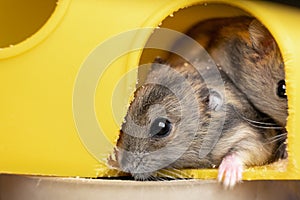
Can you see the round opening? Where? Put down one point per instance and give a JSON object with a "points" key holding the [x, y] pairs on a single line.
{"points": [[182, 21], [21, 19], [26, 23]]}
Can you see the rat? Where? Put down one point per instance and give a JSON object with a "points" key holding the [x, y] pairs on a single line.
{"points": [[246, 51], [182, 117]]}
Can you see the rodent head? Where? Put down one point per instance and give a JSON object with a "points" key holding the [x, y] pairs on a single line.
{"points": [[150, 124], [163, 123], [252, 59], [270, 65]]}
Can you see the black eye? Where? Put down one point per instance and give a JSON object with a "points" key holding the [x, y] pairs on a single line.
{"points": [[281, 89], [161, 127]]}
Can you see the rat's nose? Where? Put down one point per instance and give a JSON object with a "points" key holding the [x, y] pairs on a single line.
{"points": [[136, 164], [132, 162]]}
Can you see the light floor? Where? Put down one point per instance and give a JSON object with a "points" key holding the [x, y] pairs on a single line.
{"points": [[14, 187]]}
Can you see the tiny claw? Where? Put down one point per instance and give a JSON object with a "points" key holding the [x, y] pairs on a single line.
{"points": [[221, 173]]}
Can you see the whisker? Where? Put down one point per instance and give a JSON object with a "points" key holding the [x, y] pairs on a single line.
{"points": [[160, 178], [175, 173], [282, 144], [266, 127], [276, 139], [280, 135], [152, 178], [164, 175], [171, 175], [281, 153], [257, 124], [180, 172], [272, 141]]}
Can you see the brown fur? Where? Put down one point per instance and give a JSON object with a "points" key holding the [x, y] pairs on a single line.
{"points": [[247, 52], [248, 55], [142, 155]]}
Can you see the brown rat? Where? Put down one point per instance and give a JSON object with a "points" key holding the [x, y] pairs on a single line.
{"points": [[177, 112], [247, 52]]}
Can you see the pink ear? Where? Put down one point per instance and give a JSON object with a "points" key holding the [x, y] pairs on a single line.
{"points": [[216, 101], [261, 39]]}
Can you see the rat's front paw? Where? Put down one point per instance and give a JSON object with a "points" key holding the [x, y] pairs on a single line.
{"points": [[230, 171]]}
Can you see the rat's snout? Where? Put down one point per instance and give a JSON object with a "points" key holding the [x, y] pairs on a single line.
{"points": [[136, 164], [130, 161]]}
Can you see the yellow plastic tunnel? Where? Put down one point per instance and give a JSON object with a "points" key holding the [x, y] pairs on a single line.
{"points": [[68, 69]]}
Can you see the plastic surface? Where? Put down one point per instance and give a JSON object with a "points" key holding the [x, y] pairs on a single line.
{"points": [[38, 132]]}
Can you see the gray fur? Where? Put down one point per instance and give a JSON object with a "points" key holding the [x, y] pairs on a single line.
{"points": [[180, 94]]}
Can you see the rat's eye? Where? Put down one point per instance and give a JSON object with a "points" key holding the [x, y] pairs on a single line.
{"points": [[281, 89], [161, 127]]}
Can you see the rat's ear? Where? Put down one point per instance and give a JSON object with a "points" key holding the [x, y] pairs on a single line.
{"points": [[260, 37], [158, 61], [215, 101]]}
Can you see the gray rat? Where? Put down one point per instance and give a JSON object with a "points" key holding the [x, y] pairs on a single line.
{"points": [[247, 52], [177, 112]]}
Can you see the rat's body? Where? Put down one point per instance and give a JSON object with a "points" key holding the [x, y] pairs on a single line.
{"points": [[168, 124], [172, 121], [244, 49]]}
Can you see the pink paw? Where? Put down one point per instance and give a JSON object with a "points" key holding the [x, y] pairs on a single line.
{"points": [[230, 171]]}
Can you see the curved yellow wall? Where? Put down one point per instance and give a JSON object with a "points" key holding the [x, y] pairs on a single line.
{"points": [[40, 113]]}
